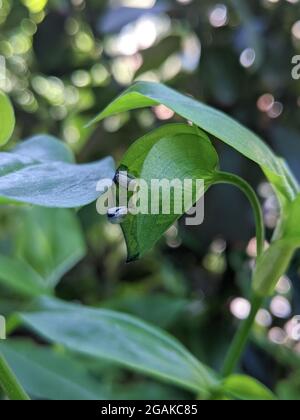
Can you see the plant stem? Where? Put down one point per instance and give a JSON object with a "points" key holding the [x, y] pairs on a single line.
{"points": [[241, 338], [10, 384], [240, 341], [227, 178]]}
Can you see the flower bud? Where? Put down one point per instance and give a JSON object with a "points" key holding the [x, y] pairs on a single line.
{"points": [[116, 215]]}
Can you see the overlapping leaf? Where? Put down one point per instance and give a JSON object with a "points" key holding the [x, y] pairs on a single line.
{"points": [[173, 152], [50, 241], [292, 224], [47, 244], [216, 123], [121, 339], [42, 171]]}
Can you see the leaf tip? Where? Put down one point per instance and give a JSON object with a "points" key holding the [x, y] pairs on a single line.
{"points": [[91, 122], [132, 258]]}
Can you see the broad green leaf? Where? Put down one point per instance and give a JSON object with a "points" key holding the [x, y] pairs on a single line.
{"points": [[246, 388], [121, 339], [51, 241], [20, 277], [41, 171], [160, 309], [7, 119], [216, 123], [48, 375], [43, 148], [173, 152]]}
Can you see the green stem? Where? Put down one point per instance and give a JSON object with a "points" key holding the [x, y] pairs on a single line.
{"points": [[239, 343], [242, 336], [10, 384], [227, 178]]}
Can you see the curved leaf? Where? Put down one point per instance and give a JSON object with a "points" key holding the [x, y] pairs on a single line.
{"points": [[41, 171], [173, 152], [292, 225], [247, 389], [216, 123], [273, 264], [51, 241], [44, 148], [7, 119], [121, 339]]}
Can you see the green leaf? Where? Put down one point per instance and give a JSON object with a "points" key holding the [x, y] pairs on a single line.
{"points": [[7, 119], [148, 391], [48, 375], [289, 389], [248, 389], [216, 123], [292, 224], [51, 241], [160, 309], [272, 265], [121, 339], [275, 262], [44, 148], [41, 171], [20, 277], [173, 152]]}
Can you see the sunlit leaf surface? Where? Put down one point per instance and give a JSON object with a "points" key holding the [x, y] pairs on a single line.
{"points": [[41, 171], [216, 123], [7, 119]]}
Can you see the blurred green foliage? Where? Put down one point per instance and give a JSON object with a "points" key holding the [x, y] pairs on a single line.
{"points": [[60, 62]]}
